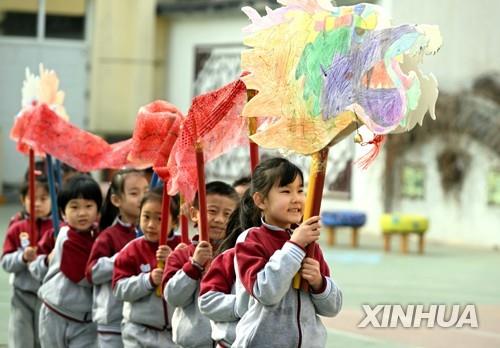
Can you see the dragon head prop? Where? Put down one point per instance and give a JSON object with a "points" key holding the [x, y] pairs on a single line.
{"points": [[321, 71]]}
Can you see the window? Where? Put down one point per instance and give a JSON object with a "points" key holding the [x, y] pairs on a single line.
{"points": [[413, 181], [64, 27], [18, 18], [494, 187], [63, 19], [215, 65]]}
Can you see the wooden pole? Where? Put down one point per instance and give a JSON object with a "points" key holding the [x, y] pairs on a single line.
{"points": [[53, 194], [202, 197], [313, 201], [31, 193], [252, 129], [165, 212], [184, 223]]}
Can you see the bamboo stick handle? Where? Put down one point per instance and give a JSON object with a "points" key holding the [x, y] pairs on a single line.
{"points": [[313, 202]]}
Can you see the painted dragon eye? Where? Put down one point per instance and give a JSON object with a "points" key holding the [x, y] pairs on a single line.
{"points": [[360, 31]]}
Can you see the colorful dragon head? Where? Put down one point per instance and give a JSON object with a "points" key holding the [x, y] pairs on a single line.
{"points": [[320, 71]]}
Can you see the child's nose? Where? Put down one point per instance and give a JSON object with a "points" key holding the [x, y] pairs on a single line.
{"points": [[219, 218]]}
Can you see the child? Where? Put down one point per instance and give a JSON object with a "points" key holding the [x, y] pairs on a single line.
{"points": [[17, 255], [272, 254], [65, 317], [186, 266], [217, 299], [242, 184], [119, 217], [136, 277]]}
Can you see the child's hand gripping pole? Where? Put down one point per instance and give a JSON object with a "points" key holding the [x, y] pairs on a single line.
{"points": [[313, 201], [165, 211]]}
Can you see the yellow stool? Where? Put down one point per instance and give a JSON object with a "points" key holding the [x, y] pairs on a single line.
{"points": [[404, 224]]}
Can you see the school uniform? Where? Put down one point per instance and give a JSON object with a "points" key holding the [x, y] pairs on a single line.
{"points": [[39, 266], [19, 216], [107, 309], [145, 319], [173, 239], [25, 305], [217, 299], [266, 262], [181, 284], [66, 314]]}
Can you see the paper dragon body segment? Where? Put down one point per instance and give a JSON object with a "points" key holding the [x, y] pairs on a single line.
{"points": [[321, 71]]}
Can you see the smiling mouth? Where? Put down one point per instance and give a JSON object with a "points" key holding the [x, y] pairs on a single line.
{"points": [[217, 229], [296, 210]]}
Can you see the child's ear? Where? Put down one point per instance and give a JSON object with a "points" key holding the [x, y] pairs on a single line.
{"points": [[193, 214], [115, 200], [259, 200]]}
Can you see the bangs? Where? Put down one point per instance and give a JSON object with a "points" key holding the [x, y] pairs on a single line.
{"points": [[286, 173]]}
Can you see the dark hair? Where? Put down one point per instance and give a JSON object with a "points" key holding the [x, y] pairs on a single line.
{"points": [[218, 188], [39, 167], [244, 180], [79, 186], [242, 218], [272, 172], [156, 195], [275, 171], [39, 180], [109, 211]]}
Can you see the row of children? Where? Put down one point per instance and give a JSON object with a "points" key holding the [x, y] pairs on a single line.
{"points": [[96, 288]]}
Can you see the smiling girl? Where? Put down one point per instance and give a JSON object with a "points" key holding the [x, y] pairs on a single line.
{"points": [[271, 255]]}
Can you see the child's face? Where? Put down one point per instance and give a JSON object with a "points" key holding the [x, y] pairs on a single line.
{"points": [[283, 206], [219, 208], [151, 220], [129, 202], [42, 202], [81, 213]]}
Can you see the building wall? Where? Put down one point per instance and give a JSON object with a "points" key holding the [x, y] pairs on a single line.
{"points": [[122, 63], [67, 57], [185, 32], [463, 218]]}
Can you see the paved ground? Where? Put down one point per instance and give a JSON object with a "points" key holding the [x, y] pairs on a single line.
{"points": [[444, 275]]}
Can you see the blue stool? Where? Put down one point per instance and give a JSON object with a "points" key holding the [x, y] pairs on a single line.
{"points": [[333, 219]]}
